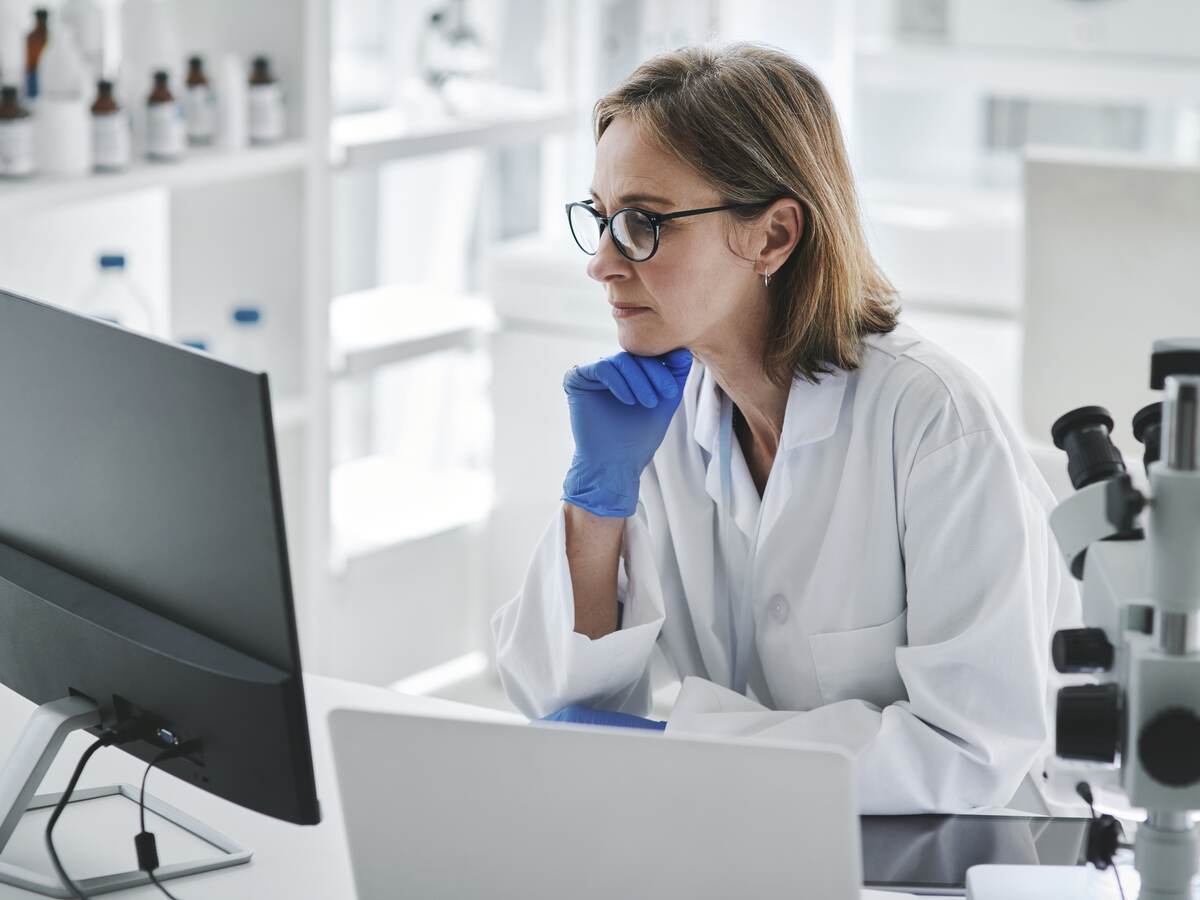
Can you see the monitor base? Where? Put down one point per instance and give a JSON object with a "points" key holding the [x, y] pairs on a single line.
{"points": [[35, 750]]}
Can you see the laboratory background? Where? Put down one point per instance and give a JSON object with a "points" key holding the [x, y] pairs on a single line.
{"points": [[364, 198]]}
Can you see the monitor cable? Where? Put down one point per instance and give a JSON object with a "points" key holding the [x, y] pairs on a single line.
{"points": [[144, 843], [1103, 837], [105, 741]]}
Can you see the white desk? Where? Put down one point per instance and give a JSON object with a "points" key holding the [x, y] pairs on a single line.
{"points": [[289, 860]]}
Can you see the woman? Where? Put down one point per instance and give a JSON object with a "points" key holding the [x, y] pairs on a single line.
{"points": [[822, 520]]}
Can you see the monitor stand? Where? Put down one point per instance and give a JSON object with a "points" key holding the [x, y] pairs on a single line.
{"points": [[39, 743]]}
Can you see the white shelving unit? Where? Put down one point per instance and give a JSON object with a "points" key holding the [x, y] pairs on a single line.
{"points": [[383, 326], [223, 226], [202, 167]]}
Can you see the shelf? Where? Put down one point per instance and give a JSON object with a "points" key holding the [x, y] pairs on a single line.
{"points": [[377, 503], [200, 166], [1067, 76], [373, 138], [390, 324]]}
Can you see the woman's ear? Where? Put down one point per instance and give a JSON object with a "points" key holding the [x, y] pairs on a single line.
{"points": [[783, 225]]}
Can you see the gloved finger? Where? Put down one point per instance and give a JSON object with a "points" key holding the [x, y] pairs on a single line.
{"points": [[583, 378], [636, 379], [614, 381], [678, 362], [663, 381]]}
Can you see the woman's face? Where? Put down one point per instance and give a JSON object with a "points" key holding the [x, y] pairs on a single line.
{"points": [[695, 287]]}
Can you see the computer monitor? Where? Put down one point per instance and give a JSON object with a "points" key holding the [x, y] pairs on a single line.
{"points": [[143, 563]]}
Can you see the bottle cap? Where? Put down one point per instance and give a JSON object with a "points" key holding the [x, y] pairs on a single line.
{"points": [[195, 343], [8, 93], [195, 62], [246, 314], [161, 77], [112, 261]]}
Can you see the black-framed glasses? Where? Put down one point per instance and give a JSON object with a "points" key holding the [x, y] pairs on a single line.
{"points": [[634, 231]]}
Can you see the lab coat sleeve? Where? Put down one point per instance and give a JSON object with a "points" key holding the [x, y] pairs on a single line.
{"points": [[980, 572], [544, 664]]}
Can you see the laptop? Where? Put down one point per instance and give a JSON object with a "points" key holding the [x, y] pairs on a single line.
{"points": [[449, 808]]}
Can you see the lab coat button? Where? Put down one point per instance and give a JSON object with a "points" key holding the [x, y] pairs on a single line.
{"points": [[779, 608]]}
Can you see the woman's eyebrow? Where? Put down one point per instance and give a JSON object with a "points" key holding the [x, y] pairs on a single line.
{"points": [[634, 198]]}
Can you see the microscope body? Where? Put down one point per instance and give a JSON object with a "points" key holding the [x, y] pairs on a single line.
{"points": [[1138, 557]]}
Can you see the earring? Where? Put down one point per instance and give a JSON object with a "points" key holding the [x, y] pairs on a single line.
{"points": [[766, 279]]}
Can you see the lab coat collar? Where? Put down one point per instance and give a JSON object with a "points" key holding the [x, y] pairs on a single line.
{"points": [[812, 415], [812, 411]]}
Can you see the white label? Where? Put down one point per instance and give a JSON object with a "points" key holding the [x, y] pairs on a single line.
{"points": [[110, 140], [164, 130], [200, 110], [266, 113], [16, 147]]}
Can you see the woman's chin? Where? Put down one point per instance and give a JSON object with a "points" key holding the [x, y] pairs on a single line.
{"points": [[641, 342]]}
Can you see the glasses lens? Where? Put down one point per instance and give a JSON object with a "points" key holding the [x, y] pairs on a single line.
{"points": [[634, 232], [586, 228]]}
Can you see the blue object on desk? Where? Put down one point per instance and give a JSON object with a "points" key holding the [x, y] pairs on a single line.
{"points": [[587, 715]]}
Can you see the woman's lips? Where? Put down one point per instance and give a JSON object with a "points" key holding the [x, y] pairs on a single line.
{"points": [[624, 312]]}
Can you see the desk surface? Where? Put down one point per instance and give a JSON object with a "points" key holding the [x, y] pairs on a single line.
{"points": [[289, 860]]}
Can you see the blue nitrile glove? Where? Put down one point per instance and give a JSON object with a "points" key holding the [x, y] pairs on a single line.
{"points": [[620, 408], [586, 715]]}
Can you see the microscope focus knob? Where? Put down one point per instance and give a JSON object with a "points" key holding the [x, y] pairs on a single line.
{"points": [[1081, 650], [1167, 747], [1088, 724]]}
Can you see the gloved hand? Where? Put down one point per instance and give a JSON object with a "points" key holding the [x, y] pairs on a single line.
{"points": [[620, 408], [587, 715]]}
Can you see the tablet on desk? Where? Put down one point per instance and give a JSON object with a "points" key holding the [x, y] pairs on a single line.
{"points": [[930, 854]]}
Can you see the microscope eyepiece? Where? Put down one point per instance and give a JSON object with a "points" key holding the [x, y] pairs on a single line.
{"points": [[1084, 434], [1147, 431]]}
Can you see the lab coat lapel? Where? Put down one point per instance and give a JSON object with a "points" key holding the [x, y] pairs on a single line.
{"points": [[713, 630], [811, 416]]}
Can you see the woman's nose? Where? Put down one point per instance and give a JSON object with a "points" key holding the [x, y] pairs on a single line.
{"points": [[608, 263]]}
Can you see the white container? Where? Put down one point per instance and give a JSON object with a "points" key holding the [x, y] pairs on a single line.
{"points": [[113, 298], [232, 101], [266, 113], [200, 113], [148, 44], [164, 131], [62, 135], [16, 147], [110, 141]]}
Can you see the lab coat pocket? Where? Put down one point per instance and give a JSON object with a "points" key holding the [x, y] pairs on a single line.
{"points": [[860, 663]]}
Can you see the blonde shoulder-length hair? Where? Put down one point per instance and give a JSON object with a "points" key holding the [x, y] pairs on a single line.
{"points": [[758, 125]]}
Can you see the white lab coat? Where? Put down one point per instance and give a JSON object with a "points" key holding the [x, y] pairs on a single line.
{"points": [[900, 572]]}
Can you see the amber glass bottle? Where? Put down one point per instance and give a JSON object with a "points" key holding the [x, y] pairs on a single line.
{"points": [[35, 43]]}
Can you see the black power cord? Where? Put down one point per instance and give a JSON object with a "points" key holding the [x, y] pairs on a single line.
{"points": [[1104, 836], [144, 843], [105, 741]]}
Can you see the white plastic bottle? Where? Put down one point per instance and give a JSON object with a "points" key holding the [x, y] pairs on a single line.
{"points": [[61, 120], [165, 127], [199, 104], [232, 101], [266, 104], [113, 298], [110, 131], [16, 135], [246, 344]]}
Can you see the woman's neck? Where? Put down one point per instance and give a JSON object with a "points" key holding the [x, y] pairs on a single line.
{"points": [[736, 365]]}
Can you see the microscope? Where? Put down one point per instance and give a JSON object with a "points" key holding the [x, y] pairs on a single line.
{"points": [[1138, 557]]}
